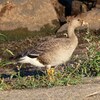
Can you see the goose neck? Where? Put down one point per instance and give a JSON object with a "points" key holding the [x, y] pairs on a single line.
{"points": [[71, 31]]}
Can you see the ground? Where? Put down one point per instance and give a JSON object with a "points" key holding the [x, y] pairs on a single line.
{"points": [[90, 90]]}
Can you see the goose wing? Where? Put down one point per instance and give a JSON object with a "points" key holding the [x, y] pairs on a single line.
{"points": [[51, 43], [43, 46]]}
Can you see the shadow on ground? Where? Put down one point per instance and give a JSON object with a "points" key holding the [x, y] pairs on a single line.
{"points": [[29, 71]]}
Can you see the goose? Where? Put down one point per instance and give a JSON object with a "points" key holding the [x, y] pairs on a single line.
{"points": [[52, 51]]}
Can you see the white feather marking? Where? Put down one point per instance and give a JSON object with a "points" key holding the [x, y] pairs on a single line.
{"points": [[33, 61], [34, 54]]}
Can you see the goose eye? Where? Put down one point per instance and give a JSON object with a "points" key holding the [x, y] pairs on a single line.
{"points": [[78, 19]]}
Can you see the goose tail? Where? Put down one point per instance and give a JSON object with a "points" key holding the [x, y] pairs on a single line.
{"points": [[26, 57]]}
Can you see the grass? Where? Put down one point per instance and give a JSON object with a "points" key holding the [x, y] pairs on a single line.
{"points": [[86, 66], [3, 37], [90, 66], [60, 79], [22, 33]]}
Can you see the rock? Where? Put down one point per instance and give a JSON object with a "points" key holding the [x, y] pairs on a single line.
{"points": [[63, 28], [31, 14], [92, 18], [76, 7], [98, 1], [60, 10]]}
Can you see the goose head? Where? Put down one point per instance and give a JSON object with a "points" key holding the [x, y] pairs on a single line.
{"points": [[73, 24], [76, 23]]}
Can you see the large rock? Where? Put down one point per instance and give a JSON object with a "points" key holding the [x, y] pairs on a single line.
{"points": [[60, 10], [78, 6], [31, 14], [92, 18], [98, 1]]}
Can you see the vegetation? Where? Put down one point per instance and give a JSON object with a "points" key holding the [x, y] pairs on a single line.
{"points": [[3, 37], [87, 65], [22, 33]]}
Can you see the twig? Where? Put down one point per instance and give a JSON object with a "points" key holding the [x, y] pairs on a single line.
{"points": [[93, 94]]}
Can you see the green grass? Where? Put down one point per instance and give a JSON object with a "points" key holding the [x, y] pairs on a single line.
{"points": [[22, 33], [60, 79], [87, 66], [90, 66], [3, 37]]}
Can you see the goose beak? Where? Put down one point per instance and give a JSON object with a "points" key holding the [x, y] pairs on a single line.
{"points": [[85, 23]]}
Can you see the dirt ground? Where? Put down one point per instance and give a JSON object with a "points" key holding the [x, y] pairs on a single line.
{"points": [[88, 90]]}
